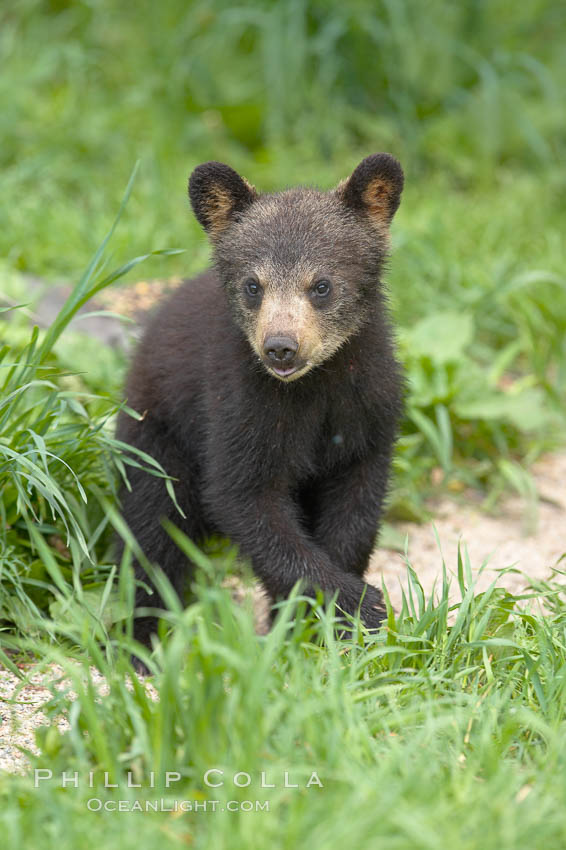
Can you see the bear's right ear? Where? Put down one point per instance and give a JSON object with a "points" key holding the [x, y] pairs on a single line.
{"points": [[218, 194]]}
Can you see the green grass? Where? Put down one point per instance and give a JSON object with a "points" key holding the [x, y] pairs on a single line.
{"points": [[445, 730], [58, 463]]}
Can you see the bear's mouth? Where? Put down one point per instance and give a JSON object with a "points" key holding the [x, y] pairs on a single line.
{"points": [[289, 373], [284, 372]]}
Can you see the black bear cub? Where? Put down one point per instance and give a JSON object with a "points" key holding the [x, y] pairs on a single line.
{"points": [[269, 389]]}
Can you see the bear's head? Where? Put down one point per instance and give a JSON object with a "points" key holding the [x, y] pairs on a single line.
{"points": [[301, 268]]}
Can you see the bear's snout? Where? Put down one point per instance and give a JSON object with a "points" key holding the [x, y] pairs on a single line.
{"points": [[280, 355], [280, 349]]}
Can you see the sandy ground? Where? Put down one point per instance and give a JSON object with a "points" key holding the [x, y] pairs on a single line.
{"points": [[21, 703], [499, 539]]}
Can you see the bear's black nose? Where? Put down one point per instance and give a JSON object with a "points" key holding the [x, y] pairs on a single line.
{"points": [[281, 349]]}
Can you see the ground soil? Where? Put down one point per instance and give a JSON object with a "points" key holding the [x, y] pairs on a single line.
{"points": [[503, 539]]}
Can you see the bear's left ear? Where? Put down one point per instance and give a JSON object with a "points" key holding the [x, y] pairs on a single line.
{"points": [[218, 194], [374, 189]]}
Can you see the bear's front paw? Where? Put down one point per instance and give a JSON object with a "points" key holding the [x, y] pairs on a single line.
{"points": [[367, 601], [372, 610]]}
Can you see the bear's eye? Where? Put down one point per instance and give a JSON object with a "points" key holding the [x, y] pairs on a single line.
{"points": [[322, 288], [252, 287]]}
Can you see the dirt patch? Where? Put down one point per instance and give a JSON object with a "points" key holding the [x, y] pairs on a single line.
{"points": [[22, 701], [499, 539]]}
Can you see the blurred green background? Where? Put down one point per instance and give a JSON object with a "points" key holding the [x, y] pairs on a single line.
{"points": [[468, 95]]}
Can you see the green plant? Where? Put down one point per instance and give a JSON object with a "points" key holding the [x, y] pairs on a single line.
{"points": [[57, 453], [445, 729]]}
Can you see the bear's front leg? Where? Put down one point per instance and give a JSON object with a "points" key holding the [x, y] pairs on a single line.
{"points": [[265, 524], [346, 509]]}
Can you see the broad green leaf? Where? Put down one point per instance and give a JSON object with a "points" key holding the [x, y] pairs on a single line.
{"points": [[527, 410], [442, 337]]}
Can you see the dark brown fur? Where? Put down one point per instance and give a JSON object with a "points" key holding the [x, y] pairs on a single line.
{"points": [[293, 467]]}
